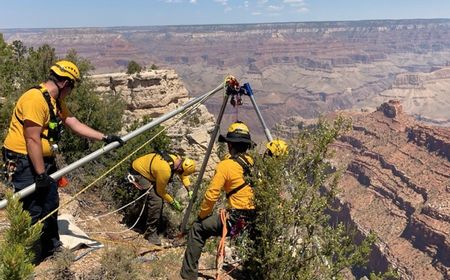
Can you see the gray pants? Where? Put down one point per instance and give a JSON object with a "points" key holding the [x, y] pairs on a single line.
{"points": [[199, 233], [238, 220], [153, 205]]}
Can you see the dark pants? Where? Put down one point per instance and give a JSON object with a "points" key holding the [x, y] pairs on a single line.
{"points": [[201, 231], [38, 204], [153, 205]]}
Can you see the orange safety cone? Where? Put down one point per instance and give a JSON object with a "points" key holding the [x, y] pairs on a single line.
{"points": [[63, 182]]}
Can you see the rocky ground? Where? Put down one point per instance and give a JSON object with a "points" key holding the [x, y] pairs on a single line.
{"points": [[152, 262]]}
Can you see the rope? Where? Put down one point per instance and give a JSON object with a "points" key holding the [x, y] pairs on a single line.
{"points": [[236, 113], [221, 246], [120, 162], [135, 223], [117, 210]]}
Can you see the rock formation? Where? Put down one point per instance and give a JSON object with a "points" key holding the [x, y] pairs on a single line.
{"points": [[305, 69], [397, 184], [155, 93]]}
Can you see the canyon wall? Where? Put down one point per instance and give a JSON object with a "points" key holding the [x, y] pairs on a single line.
{"points": [[397, 184], [304, 69], [155, 93]]}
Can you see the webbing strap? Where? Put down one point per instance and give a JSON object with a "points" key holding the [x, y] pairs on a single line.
{"points": [[243, 162], [51, 109], [235, 190], [166, 157]]}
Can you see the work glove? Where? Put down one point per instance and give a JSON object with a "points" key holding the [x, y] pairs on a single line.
{"points": [[43, 183], [112, 138], [176, 206], [189, 192]]}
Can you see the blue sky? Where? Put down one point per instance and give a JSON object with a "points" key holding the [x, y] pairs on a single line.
{"points": [[102, 13]]}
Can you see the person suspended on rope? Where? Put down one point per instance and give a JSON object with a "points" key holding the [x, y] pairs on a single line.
{"points": [[155, 171], [31, 144], [230, 176], [276, 148]]}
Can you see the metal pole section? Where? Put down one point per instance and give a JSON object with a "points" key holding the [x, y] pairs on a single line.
{"points": [[204, 163], [58, 174], [249, 91]]}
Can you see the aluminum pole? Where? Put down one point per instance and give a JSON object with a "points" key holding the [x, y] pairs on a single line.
{"points": [[249, 91], [58, 174], [204, 163]]}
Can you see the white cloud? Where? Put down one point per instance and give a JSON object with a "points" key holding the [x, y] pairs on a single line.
{"points": [[297, 5], [303, 10], [273, 8], [193, 1], [223, 2]]}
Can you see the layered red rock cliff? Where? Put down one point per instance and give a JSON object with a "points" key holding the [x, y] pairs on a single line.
{"points": [[397, 184]]}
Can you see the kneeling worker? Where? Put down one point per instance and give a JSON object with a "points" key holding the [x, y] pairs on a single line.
{"points": [[157, 169], [230, 177]]}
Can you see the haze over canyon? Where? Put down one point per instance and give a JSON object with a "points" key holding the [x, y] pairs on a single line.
{"points": [[304, 69]]}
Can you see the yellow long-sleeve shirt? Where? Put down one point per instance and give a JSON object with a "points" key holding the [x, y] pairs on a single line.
{"points": [[228, 176], [158, 171]]}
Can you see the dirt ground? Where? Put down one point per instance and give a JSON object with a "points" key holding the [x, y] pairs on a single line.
{"points": [[153, 262]]}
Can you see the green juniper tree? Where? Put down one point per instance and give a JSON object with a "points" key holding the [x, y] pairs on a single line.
{"points": [[293, 237], [133, 67], [16, 255]]}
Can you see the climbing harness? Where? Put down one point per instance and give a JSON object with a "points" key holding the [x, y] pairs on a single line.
{"points": [[10, 161], [167, 158], [9, 167], [247, 174], [55, 126]]}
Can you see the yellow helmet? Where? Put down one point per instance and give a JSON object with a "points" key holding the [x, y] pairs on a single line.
{"points": [[65, 68], [237, 132], [277, 147], [188, 166]]}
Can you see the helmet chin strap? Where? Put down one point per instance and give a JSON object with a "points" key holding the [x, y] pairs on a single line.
{"points": [[180, 160], [59, 89]]}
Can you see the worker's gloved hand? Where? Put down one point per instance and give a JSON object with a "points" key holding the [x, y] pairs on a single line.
{"points": [[43, 183], [176, 206], [112, 138], [190, 193]]}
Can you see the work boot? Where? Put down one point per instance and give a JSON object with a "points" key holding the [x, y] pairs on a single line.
{"points": [[154, 239]]}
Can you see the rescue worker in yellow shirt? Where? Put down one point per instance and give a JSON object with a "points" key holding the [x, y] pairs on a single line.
{"points": [[229, 177], [276, 148], [29, 147], [155, 171]]}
